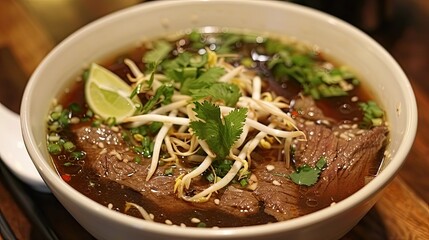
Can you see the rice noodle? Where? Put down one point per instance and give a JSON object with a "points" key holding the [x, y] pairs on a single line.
{"points": [[157, 147]]}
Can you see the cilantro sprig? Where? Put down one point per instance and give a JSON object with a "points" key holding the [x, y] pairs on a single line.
{"points": [[220, 134], [306, 175]]}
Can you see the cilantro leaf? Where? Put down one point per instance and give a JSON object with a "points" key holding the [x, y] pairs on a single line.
{"points": [[225, 92], [306, 175], [219, 135], [158, 53], [205, 80], [162, 95], [182, 60]]}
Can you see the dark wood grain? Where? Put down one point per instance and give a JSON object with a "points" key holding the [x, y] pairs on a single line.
{"points": [[29, 29]]}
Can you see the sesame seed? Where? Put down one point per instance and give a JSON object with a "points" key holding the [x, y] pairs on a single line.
{"points": [[195, 220], [344, 136], [116, 154], [354, 99], [360, 132], [270, 167], [74, 120], [183, 225], [277, 183], [103, 151], [326, 122], [217, 201], [168, 222], [309, 123], [151, 216], [100, 145], [109, 206]]}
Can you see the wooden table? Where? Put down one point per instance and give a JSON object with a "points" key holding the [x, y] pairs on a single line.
{"points": [[29, 29]]}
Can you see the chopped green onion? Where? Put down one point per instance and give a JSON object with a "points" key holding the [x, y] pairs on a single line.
{"points": [[54, 148], [55, 115], [373, 114], [85, 75], [78, 155], [244, 182], [111, 121], [55, 127], [69, 146], [210, 177], [75, 108], [54, 137], [96, 123], [201, 225], [137, 159], [377, 121], [64, 119], [89, 113], [155, 126], [168, 171]]}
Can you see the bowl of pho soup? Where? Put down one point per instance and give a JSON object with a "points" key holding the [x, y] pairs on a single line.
{"points": [[218, 119]]}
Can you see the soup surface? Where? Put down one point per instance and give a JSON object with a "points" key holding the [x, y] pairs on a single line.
{"points": [[217, 130]]}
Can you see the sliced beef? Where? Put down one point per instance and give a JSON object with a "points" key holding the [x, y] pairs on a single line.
{"points": [[348, 163], [307, 109], [349, 160], [350, 153], [278, 193], [110, 158], [239, 202]]}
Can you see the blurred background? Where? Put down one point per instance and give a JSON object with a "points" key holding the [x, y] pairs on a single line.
{"points": [[29, 29]]}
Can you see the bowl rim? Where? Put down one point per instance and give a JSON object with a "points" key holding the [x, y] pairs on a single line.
{"points": [[362, 195]]}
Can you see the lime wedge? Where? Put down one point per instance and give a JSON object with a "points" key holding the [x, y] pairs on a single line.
{"points": [[108, 95]]}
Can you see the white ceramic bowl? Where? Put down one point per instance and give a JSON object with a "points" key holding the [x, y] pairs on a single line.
{"points": [[127, 27]]}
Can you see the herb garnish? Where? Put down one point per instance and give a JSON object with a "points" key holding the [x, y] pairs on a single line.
{"points": [[220, 134], [306, 175], [162, 95], [372, 114], [306, 68], [158, 53]]}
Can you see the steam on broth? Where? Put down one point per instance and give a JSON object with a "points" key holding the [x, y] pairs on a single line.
{"points": [[217, 130]]}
